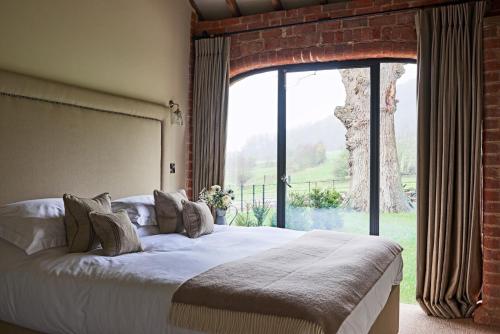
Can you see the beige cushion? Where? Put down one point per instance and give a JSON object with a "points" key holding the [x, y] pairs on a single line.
{"points": [[198, 219], [79, 233], [116, 233], [168, 208]]}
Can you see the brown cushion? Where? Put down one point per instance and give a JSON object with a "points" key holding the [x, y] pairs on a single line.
{"points": [[198, 219], [168, 207], [79, 233], [116, 233]]}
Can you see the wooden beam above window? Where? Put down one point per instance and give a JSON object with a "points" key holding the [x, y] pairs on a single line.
{"points": [[277, 4], [196, 9], [233, 8]]}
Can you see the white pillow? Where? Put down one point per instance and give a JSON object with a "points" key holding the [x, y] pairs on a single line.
{"points": [[34, 225], [37, 208], [140, 209]]}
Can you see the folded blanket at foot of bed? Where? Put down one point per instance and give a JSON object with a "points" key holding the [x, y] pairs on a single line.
{"points": [[309, 285]]}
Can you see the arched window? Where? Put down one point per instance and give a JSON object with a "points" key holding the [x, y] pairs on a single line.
{"points": [[327, 146]]}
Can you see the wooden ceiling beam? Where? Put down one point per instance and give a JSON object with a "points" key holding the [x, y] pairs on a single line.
{"points": [[196, 9], [233, 8], [277, 5]]}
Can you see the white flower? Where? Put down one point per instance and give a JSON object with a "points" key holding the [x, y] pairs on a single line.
{"points": [[226, 200], [215, 188]]}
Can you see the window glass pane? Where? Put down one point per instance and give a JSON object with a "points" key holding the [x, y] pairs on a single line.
{"points": [[398, 169], [251, 148], [328, 147]]}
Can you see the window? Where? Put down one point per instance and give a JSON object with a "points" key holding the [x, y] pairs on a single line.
{"points": [[328, 146]]}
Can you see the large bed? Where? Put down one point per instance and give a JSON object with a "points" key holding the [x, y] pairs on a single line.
{"points": [[47, 150]]}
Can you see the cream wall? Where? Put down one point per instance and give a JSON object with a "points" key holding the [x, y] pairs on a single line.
{"points": [[133, 48]]}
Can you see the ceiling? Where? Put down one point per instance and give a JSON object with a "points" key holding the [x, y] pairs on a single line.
{"points": [[221, 9]]}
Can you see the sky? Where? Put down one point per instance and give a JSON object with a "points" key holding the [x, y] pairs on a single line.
{"points": [[311, 96]]}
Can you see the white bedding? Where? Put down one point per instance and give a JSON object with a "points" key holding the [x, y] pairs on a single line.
{"points": [[56, 292]]}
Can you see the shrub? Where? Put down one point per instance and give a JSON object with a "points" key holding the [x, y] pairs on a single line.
{"points": [[324, 198], [260, 212], [244, 218], [297, 200], [318, 198]]}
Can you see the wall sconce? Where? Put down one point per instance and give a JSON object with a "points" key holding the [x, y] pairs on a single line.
{"points": [[175, 113]]}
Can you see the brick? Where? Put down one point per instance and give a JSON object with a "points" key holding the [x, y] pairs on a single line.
{"points": [[252, 19], [355, 23], [492, 254], [491, 207], [492, 243], [491, 266], [360, 4], [249, 36], [304, 29], [382, 20], [492, 195], [329, 26]]}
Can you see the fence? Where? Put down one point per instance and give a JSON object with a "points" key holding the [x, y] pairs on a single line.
{"points": [[266, 193]]}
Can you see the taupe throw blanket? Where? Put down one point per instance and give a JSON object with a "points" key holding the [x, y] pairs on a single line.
{"points": [[309, 285]]}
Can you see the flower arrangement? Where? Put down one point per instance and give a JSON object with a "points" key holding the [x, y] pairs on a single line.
{"points": [[217, 198]]}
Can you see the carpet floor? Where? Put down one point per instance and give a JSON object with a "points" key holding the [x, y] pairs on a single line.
{"points": [[413, 320]]}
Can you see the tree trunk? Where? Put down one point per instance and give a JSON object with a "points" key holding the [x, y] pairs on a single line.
{"points": [[355, 115]]}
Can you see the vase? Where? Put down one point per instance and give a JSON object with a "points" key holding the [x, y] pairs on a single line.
{"points": [[220, 217]]}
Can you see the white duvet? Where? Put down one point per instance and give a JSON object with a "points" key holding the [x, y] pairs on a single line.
{"points": [[56, 292]]}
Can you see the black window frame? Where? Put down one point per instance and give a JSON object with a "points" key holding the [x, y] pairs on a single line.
{"points": [[374, 66]]}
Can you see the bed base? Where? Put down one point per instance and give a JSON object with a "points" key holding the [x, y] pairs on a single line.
{"points": [[387, 321]]}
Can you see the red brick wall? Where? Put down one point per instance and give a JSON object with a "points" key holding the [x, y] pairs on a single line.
{"points": [[357, 38], [187, 116], [489, 313], [376, 36]]}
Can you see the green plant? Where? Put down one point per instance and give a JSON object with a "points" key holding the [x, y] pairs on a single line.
{"points": [[297, 200], [260, 212], [327, 198], [244, 218]]}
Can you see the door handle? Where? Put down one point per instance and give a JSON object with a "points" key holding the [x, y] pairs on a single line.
{"points": [[284, 179]]}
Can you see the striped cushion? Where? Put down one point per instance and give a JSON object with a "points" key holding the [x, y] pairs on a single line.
{"points": [[198, 219], [116, 233], [79, 233], [168, 208]]}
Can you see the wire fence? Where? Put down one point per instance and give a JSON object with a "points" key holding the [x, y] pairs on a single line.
{"points": [[266, 193]]}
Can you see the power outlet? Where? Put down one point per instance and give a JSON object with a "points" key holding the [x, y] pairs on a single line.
{"points": [[172, 168]]}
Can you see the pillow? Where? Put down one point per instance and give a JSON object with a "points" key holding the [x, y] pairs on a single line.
{"points": [[198, 219], [147, 230], [79, 233], [140, 209], [33, 225], [168, 208], [116, 232], [38, 208]]}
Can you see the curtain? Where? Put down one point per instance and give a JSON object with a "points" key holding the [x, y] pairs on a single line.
{"points": [[210, 98], [449, 179]]}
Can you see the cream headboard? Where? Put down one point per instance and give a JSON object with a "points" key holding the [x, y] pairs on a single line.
{"points": [[56, 138]]}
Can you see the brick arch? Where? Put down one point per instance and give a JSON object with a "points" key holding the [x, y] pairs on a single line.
{"points": [[388, 36]]}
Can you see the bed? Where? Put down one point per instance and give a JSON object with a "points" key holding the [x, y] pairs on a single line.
{"points": [[41, 125]]}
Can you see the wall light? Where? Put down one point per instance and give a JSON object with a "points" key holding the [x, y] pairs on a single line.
{"points": [[175, 113]]}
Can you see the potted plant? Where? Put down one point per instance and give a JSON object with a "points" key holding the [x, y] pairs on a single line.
{"points": [[220, 200]]}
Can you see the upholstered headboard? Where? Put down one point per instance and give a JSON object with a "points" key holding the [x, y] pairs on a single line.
{"points": [[56, 138]]}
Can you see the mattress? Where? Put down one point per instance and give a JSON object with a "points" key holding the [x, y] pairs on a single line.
{"points": [[56, 292]]}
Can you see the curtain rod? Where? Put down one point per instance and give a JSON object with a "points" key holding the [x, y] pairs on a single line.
{"points": [[205, 35]]}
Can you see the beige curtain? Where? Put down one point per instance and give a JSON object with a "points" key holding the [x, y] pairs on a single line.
{"points": [[449, 159], [210, 97]]}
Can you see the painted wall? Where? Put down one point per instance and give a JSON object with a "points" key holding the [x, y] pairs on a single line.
{"points": [[138, 49]]}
